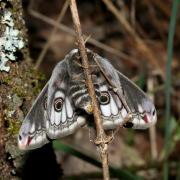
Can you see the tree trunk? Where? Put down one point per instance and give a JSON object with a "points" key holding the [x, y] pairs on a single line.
{"points": [[18, 87]]}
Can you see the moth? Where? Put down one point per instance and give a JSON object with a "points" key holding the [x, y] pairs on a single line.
{"points": [[64, 105]]}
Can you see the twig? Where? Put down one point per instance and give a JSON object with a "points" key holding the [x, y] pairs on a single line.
{"points": [[141, 45], [46, 46], [155, 21], [70, 31], [165, 9], [101, 138], [152, 129], [133, 13]]}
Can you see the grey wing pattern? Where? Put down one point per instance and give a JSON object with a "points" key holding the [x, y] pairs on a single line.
{"points": [[55, 113], [121, 90], [32, 133], [63, 119], [52, 115], [141, 106]]}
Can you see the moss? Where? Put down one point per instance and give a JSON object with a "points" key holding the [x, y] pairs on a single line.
{"points": [[17, 90], [13, 126], [22, 85], [7, 80]]}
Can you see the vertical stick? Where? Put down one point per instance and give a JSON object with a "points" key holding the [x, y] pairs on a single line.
{"points": [[53, 32], [172, 27], [152, 130], [101, 138]]}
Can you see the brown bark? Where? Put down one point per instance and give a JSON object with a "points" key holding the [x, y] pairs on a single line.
{"points": [[18, 86]]}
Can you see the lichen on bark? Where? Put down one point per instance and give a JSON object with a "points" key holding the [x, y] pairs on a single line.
{"points": [[18, 88]]}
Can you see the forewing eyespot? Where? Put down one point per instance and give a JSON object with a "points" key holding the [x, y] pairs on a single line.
{"points": [[58, 104], [104, 98]]}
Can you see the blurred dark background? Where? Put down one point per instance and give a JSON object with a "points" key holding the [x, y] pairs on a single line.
{"points": [[150, 21]]}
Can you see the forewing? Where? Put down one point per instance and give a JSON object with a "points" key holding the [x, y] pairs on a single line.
{"points": [[112, 111], [43, 122], [32, 133], [125, 98], [63, 119], [144, 113]]}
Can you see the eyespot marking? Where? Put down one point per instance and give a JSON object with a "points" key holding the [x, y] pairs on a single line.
{"points": [[104, 98], [58, 104]]}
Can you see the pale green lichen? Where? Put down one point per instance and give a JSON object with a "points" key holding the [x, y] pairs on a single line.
{"points": [[10, 41]]}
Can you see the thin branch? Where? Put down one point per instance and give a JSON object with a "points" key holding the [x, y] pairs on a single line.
{"points": [[101, 138], [133, 13], [46, 46], [90, 40], [141, 45], [152, 129]]}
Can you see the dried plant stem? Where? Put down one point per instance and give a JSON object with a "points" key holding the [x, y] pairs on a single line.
{"points": [[152, 129], [90, 40], [133, 13], [101, 138], [141, 45], [46, 46]]}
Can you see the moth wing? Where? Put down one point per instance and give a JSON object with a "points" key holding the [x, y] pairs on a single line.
{"points": [[140, 106], [63, 118], [139, 103], [32, 133]]}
